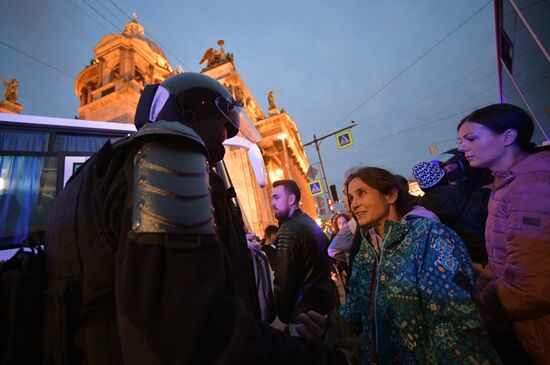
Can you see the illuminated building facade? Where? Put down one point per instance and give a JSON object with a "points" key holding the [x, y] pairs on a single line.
{"points": [[109, 90]]}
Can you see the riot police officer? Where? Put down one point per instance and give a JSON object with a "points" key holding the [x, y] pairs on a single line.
{"points": [[147, 260]]}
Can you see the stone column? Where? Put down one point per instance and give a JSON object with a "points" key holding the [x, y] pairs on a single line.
{"points": [[101, 73], [83, 96], [131, 54], [150, 74], [124, 63], [89, 90]]}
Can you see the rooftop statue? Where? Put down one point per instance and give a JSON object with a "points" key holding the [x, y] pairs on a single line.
{"points": [[133, 28], [215, 58], [239, 95], [11, 89], [271, 100]]}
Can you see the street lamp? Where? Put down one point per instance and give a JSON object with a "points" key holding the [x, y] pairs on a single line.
{"points": [[282, 137]]}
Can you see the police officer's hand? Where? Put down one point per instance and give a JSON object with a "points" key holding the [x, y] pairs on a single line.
{"points": [[312, 325], [333, 330]]}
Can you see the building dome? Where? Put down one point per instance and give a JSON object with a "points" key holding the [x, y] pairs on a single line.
{"points": [[110, 86], [135, 30]]}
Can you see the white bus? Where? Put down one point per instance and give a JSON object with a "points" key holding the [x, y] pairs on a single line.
{"points": [[37, 157]]}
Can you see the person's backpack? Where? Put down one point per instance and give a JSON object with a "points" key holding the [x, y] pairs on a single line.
{"points": [[80, 323], [22, 282], [40, 314]]}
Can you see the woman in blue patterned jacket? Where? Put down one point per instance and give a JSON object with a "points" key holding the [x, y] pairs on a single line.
{"points": [[411, 286]]}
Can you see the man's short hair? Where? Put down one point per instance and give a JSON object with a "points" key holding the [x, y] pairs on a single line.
{"points": [[290, 187], [271, 230]]}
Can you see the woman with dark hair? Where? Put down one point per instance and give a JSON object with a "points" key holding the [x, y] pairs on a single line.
{"points": [[411, 290], [514, 288], [336, 250], [339, 221]]}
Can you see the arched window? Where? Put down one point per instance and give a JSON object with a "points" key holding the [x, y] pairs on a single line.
{"points": [[139, 77], [115, 73]]}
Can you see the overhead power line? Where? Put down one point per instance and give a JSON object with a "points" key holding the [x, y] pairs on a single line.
{"points": [[386, 138], [401, 152], [153, 38], [111, 12], [450, 86], [169, 52], [360, 151], [101, 15], [122, 11], [431, 121], [88, 15], [416, 60], [37, 60], [49, 65]]}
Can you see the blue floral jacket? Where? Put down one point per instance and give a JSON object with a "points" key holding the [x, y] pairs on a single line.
{"points": [[414, 300]]}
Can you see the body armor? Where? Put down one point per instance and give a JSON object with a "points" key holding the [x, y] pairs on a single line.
{"points": [[80, 322]]}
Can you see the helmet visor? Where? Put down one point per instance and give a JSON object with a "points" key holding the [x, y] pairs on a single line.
{"points": [[240, 122]]}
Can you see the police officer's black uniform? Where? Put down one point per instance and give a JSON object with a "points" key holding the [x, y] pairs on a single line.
{"points": [[141, 269]]}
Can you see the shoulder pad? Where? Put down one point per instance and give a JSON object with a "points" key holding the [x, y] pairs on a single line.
{"points": [[171, 191], [164, 128]]}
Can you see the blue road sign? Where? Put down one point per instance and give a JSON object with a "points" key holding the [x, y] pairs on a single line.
{"points": [[315, 187], [344, 139]]}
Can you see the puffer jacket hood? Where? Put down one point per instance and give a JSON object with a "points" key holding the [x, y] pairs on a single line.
{"points": [[420, 211]]}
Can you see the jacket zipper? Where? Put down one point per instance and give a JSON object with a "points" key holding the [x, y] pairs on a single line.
{"points": [[372, 304], [374, 289], [372, 313]]}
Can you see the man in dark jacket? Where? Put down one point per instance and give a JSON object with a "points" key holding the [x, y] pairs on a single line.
{"points": [[302, 269], [141, 269]]}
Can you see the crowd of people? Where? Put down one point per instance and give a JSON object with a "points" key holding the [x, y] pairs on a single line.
{"points": [[475, 284], [148, 258]]}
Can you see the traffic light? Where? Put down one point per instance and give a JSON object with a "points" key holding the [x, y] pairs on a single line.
{"points": [[334, 193], [330, 204]]}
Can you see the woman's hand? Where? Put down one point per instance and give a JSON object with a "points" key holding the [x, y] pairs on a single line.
{"points": [[312, 325], [478, 269]]}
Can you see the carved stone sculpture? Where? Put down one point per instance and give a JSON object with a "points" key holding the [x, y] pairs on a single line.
{"points": [[239, 95], [271, 100], [11, 89], [215, 58]]}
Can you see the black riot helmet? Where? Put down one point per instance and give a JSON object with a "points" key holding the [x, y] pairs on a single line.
{"points": [[200, 99], [200, 102]]}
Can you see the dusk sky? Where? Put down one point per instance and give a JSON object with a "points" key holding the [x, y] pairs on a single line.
{"points": [[405, 71]]}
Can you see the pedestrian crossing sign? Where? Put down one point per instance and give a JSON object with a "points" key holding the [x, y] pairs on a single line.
{"points": [[344, 139], [315, 188]]}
